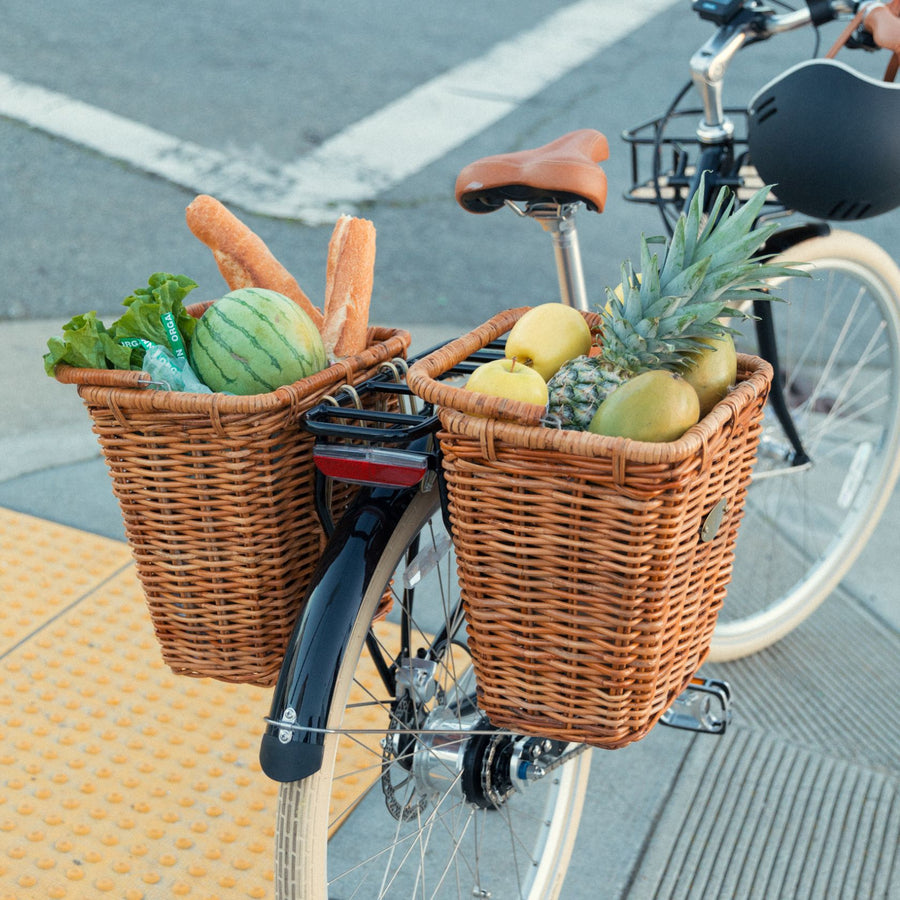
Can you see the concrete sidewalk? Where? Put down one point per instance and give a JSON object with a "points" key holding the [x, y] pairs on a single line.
{"points": [[798, 799]]}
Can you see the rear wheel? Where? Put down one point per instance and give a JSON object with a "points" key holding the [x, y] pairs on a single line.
{"points": [[838, 338], [417, 795]]}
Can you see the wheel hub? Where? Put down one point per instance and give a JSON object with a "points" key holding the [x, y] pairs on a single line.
{"points": [[445, 744], [466, 754]]}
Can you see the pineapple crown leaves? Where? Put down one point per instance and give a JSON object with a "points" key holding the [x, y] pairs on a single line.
{"points": [[708, 266], [646, 330], [729, 240]]}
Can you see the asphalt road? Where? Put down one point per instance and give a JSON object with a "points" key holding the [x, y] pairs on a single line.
{"points": [[80, 230]]}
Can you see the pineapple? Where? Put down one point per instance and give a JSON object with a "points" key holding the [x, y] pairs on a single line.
{"points": [[579, 387], [670, 313]]}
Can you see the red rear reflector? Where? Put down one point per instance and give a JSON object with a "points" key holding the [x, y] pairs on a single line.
{"points": [[371, 465]]}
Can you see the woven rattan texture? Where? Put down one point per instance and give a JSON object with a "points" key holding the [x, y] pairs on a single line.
{"points": [[590, 596], [216, 493]]}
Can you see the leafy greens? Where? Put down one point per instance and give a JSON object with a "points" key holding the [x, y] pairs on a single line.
{"points": [[87, 343]]}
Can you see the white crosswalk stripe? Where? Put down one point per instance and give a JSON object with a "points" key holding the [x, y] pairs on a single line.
{"points": [[369, 156]]}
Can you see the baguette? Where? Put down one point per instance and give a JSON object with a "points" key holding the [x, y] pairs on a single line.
{"points": [[349, 276], [241, 255]]}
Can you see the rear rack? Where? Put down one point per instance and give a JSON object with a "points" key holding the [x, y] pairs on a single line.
{"points": [[359, 443], [348, 414]]}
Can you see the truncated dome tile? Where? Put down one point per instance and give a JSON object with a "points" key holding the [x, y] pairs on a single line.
{"points": [[119, 778], [45, 568]]}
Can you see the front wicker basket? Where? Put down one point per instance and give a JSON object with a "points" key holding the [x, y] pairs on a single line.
{"points": [[591, 568], [216, 493]]}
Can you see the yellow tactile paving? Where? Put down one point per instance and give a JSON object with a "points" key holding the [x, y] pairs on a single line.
{"points": [[121, 779], [117, 778], [44, 568]]}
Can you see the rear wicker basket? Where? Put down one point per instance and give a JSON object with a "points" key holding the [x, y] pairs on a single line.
{"points": [[592, 568], [216, 496]]}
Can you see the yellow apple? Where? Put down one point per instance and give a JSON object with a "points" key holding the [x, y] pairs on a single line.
{"points": [[547, 336], [510, 380]]}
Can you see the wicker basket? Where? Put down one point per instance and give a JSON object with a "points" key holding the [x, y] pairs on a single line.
{"points": [[216, 495], [592, 568]]}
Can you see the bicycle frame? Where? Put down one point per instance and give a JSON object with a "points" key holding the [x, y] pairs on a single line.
{"points": [[715, 133]]}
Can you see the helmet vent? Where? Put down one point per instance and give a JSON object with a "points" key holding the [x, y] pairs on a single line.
{"points": [[848, 210], [766, 109]]}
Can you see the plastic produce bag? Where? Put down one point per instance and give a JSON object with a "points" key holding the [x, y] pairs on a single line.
{"points": [[170, 372]]}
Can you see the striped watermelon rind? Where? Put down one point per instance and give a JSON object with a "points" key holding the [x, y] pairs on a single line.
{"points": [[252, 341]]}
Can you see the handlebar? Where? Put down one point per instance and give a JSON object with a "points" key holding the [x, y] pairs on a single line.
{"points": [[815, 13], [754, 21]]}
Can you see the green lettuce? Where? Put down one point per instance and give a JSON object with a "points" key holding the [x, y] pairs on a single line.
{"points": [[87, 343], [147, 306]]}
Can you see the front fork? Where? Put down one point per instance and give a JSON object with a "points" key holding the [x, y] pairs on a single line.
{"points": [[780, 244], [768, 350]]}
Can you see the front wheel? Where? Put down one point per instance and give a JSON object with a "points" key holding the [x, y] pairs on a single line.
{"points": [[417, 795], [838, 339]]}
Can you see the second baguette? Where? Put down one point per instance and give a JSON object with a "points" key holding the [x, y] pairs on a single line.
{"points": [[349, 276]]}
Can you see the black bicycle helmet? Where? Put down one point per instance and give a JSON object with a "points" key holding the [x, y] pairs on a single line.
{"points": [[828, 139]]}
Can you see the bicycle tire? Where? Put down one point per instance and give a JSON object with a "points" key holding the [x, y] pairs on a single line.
{"points": [[308, 862], [839, 346]]}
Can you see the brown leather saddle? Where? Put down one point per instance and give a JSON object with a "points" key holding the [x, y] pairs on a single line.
{"points": [[564, 171]]}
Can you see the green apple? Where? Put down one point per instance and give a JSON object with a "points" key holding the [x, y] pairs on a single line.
{"points": [[547, 336], [510, 380]]}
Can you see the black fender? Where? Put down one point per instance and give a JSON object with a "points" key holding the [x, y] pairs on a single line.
{"points": [[293, 743]]}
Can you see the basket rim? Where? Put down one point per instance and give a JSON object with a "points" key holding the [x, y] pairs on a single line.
{"points": [[518, 424], [129, 389]]}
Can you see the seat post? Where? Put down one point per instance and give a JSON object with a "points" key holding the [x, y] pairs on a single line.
{"points": [[558, 220]]}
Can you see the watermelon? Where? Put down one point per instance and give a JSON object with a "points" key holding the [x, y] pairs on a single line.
{"points": [[252, 341]]}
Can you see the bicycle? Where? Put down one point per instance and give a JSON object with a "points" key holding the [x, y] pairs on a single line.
{"points": [[381, 697]]}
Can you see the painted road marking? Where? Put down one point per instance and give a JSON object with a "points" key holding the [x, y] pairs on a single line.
{"points": [[368, 157]]}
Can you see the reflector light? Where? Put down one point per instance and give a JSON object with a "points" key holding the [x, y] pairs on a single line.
{"points": [[371, 465]]}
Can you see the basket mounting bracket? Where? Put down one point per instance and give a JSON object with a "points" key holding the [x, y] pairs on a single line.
{"points": [[705, 706]]}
